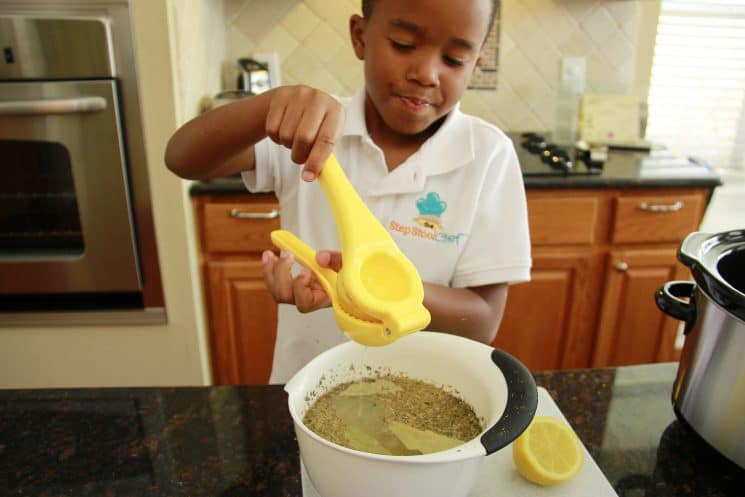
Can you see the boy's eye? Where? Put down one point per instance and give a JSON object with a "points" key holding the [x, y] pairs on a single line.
{"points": [[399, 45], [452, 61]]}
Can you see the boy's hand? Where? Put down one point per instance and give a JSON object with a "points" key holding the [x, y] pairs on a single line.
{"points": [[308, 121], [304, 290]]}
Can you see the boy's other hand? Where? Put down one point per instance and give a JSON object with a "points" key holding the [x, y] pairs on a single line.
{"points": [[304, 290], [307, 121]]}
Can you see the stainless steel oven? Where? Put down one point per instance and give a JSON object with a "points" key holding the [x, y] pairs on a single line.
{"points": [[73, 235]]}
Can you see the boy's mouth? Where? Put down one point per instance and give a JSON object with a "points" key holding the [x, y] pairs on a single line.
{"points": [[414, 103]]}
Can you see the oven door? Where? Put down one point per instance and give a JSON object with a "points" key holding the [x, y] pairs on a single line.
{"points": [[66, 222]]}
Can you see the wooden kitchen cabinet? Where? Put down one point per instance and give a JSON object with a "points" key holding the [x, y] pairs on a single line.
{"points": [[549, 321], [631, 329], [598, 257], [241, 314], [550, 311]]}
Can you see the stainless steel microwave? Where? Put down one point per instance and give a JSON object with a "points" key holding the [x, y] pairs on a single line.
{"points": [[75, 224]]}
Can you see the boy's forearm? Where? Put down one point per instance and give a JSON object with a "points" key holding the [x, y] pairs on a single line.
{"points": [[218, 142], [470, 312]]}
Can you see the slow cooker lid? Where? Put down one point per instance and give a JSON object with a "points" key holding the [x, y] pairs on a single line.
{"points": [[717, 263]]}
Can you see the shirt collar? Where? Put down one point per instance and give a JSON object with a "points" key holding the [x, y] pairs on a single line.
{"points": [[354, 121], [448, 149]]}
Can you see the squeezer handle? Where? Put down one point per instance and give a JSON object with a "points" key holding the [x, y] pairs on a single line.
{"points": [[355, 224], [305, 255]]}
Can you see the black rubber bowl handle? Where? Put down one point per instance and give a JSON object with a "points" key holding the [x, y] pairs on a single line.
{"points": [[522, 401]]}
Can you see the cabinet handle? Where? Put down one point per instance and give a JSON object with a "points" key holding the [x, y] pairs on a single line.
{"points": [[674, 207], [272, 214], [622, 266]]}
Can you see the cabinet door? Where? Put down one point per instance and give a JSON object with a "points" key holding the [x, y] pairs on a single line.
{"points": [[632, 330], [546, 324], [243, 322]]}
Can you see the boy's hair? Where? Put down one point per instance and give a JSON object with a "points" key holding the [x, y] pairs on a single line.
{"points": [[368, 5]]}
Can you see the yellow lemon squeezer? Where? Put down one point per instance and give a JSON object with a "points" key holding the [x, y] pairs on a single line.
{"points": [[377, 295]]}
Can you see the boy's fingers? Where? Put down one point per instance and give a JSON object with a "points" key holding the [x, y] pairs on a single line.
{"points": [[302, 292], [324, 144], [329, 258], [305, 136], [288, 127], [277, 276], [274, 121], [309, 295]]}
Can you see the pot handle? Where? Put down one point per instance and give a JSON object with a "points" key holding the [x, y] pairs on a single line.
{"points": [[669, 298], [522, 401]]}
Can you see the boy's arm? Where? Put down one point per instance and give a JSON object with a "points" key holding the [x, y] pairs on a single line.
{"points": [[474, 312], [220, 142]]}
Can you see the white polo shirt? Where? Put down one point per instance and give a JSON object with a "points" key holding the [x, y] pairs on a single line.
{"points": [[456, 208]]}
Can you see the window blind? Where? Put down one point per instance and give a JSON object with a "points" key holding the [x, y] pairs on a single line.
{"points": [[697, 90]]}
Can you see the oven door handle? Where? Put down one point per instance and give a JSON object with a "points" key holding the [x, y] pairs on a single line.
{"points": [[52, 106]]}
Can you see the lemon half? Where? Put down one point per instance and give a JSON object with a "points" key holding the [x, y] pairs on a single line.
{"points": [[548, 451]]}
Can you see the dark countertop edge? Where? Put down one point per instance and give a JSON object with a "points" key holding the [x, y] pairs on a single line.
{"points": [[537, 182], [233, 186], [220, 186]]}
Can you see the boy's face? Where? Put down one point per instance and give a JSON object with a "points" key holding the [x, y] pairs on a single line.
{"points": [[419, 56]]}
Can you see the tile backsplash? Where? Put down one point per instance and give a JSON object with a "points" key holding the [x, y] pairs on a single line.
{"points": [[312, 42]]}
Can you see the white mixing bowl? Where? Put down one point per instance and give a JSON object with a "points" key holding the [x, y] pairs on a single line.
{"points": [[500, 389]]}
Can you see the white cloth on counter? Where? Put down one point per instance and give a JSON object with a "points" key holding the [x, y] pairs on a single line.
{"points": [[456, 208]]}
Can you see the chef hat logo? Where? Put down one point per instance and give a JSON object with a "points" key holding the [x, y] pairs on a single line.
{"points": [[431, 205]]}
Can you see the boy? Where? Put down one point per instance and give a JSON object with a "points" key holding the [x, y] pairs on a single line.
{"points": [[447, 186]]}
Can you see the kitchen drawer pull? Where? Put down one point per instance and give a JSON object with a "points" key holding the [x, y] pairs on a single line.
{"points": [[622, 266], [674, 207], [273, 214]]}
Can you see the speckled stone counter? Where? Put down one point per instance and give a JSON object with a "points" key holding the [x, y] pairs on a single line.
{"points": [[623, 169], [239, 441]]}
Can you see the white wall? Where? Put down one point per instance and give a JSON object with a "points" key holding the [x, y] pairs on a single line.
{"points": [[171, 354]]}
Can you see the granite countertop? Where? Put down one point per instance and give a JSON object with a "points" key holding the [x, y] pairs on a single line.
{"points": [[231, 441], [623, 169]]}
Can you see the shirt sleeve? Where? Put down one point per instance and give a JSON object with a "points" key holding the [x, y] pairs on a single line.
{"points": [[265, 176], [498, 249]]}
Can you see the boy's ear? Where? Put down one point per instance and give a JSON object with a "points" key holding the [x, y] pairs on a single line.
{"points": [[357, 35]]}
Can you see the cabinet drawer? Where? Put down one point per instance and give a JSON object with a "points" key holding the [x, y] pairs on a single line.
{"points": [[239, 227], [658, 218], [562, 220]]}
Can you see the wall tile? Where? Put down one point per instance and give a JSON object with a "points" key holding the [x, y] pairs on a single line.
{"points": [[300, 63], [312, 40], [325, 42], [618, 49], [278, 40], [301, 21], [578, 9], [599, 25]]}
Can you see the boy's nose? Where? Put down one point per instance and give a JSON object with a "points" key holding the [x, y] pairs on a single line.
{"points": [[424, 69]]}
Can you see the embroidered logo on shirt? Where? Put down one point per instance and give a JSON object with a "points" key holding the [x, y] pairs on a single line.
{"points": [[430, 209]]}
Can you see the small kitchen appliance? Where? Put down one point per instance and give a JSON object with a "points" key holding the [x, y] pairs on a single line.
{"points": [[709, 390], [500, 389], [253, 77]]}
